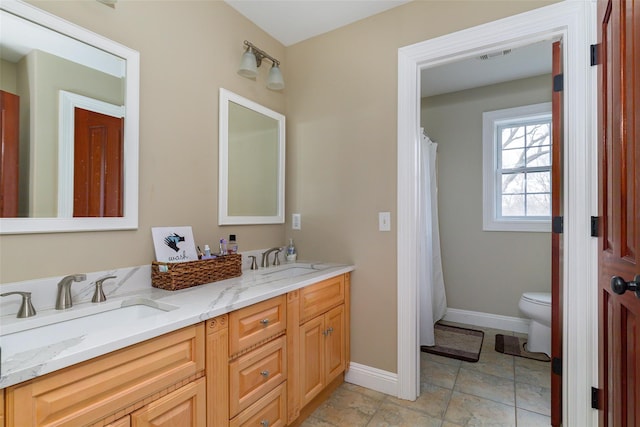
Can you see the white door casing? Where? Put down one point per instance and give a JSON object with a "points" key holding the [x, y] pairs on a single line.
{"points": [[574, 22]]}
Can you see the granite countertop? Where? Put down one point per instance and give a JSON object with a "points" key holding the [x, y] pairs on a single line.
{"points": [[25, 357]]}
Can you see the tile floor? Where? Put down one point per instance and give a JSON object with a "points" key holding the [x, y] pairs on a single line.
{"points": [[498, 390]]}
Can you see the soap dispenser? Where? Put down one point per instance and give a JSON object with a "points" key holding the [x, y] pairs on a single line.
{"points": [[291, 252]]}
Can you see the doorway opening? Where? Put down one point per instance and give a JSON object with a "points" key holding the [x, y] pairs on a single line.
{"points": [[574, 23]]}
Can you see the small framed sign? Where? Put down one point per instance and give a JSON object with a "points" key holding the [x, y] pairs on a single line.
{"points": [[174, 244]]}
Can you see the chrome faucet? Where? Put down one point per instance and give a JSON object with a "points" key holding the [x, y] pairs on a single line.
{"points": [[63, 299], [265, 257], [26, 308]]}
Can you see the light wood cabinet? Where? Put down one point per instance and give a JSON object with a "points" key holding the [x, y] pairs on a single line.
{"points": [[122, 422], [99, 388], [322, 352], [269, 411], [318, 337], [250, 326], [185, 407], [256, 366], [254, 374]]}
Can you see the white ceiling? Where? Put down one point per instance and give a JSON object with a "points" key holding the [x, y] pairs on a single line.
{"points": [[526, 61], [292, 21]]}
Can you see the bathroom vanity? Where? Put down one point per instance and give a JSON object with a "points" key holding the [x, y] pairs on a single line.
{"points": [[259, 349]]}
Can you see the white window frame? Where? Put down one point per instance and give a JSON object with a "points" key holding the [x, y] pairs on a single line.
{"points": [[490, 122]]}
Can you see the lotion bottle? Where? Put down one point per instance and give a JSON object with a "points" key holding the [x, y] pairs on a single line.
{"points": [[291, 252]]}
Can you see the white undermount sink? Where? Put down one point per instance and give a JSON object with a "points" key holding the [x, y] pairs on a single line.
{"points": [[52, 327], [287, 272]]}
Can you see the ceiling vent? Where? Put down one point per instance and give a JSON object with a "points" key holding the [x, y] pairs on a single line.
{"points": [[493, 55]]}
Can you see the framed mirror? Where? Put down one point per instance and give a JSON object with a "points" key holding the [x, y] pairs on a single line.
{"points": [[57, 71], [251, 155]]}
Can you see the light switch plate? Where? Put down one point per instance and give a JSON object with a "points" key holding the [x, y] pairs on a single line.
{"points": [[384, 221], [296, 221]]}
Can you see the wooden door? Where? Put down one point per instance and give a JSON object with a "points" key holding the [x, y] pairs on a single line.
{"points": [[185, 407], [335, 352], [619, 193], [312, 362], [98, 165], [556, 237], [9, 153]]}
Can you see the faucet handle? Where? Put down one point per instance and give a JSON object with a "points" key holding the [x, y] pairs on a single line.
{"points": [[276, 258], [98, 294], [254, 264], [26, 308]]}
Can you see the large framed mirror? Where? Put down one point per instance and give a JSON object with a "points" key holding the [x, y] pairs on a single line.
{"points": [[73, 108], [251, 155]]}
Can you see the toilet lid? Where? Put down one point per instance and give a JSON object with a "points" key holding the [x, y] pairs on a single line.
{"points": [[543, 298]]}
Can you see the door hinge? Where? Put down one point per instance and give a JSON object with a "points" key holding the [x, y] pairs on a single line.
{"points": [[595, 226], [557, 224], [595, 54], [558, 82], [556, 366], [595, 398]]}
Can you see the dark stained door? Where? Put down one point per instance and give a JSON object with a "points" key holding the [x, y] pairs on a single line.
{"points": [[556, 237], [619, 193], [9, 153], [98, 165]]}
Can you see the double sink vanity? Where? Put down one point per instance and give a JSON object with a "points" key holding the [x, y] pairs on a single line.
{"points": [[252, 350]]}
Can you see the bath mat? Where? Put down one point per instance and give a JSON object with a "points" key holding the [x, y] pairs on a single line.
{"points": [[456, 343], [516, 346]]}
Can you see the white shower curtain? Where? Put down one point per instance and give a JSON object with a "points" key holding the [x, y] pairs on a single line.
{"points": [[433, 301]]}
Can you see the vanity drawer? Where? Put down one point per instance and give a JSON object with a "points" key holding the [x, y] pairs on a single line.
{"points": [[252, 325], [271, 410], [95, 389], [320, 297], [253, 374]]}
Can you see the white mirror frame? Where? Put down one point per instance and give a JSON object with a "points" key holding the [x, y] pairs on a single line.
{"points": [[223, 182], [129, 220]]}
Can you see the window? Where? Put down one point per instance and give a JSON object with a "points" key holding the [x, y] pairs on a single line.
{"points": [[517, 169]]}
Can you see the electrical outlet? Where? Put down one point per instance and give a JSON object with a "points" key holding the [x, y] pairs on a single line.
{"points": [[384, 221], [296, 222]]}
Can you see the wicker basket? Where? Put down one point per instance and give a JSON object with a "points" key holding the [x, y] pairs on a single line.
{"points": [[172, 276]]}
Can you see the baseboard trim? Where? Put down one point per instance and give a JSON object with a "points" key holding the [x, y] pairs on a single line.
{"points": [[487, 320], [373, 378]]}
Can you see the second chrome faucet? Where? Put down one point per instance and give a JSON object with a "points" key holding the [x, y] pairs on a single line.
{"points": [[63, 300]]}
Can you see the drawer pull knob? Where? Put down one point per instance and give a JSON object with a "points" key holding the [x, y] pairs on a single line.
{"points": [[264, 373], [265, 322], [264, 423]]}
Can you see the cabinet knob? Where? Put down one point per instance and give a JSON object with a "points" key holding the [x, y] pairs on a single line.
{"points": [[327, 331], [264, 423], [264, 373], [264, 322]]}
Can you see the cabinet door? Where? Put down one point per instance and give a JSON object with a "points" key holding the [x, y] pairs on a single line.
{"points": [[312, 359], [335, 344], [185, 407]]}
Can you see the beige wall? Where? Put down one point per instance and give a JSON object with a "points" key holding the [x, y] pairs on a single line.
{"points": [[341, 107], [485, 271], [341, 156], [188, 50]]}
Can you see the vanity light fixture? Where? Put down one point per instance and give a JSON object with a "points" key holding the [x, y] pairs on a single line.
{"points": [[252, 59]]}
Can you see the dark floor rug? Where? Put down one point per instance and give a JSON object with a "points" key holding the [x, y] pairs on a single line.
{"points": [[516, 346], [455, 342]]}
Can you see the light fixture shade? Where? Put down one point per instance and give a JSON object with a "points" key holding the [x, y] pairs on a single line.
{"points": [[248, 65], [275, 80]]}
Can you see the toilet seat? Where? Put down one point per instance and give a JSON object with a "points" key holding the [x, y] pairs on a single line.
{"points": [[538, 298]]}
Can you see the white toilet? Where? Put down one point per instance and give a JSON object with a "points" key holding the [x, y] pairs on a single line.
{"points": [[537, 307]]}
